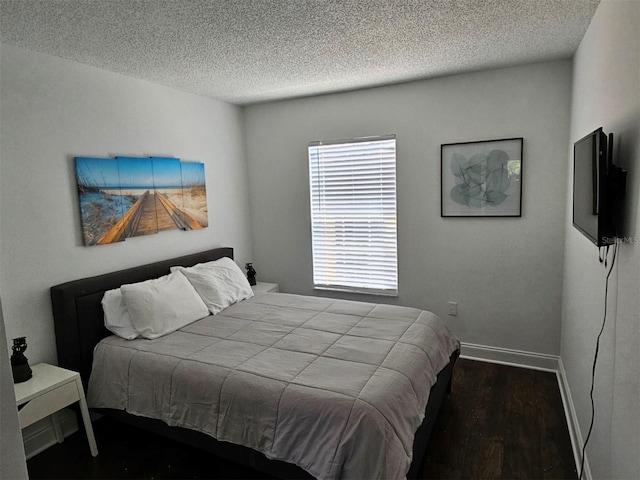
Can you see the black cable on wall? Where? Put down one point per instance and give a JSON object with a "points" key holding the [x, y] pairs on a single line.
{"points": [[603, 259]]}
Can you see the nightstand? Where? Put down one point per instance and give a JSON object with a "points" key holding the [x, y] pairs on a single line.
{"points": [[263, 287], [49, 390]]}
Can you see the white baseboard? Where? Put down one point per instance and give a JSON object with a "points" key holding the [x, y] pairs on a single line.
{"points": [[41, 435], [507, 356]]}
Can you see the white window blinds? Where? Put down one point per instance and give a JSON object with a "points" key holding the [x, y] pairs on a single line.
{"points": [[353, 215]]}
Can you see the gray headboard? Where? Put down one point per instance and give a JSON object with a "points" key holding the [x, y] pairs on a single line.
{"points": [[77, 308]]}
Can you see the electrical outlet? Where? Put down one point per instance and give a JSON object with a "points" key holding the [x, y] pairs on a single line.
{"points": [[453, 309]]}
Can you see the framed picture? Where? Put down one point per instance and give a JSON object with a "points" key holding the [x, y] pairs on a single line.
{"points": [[481, 179]]}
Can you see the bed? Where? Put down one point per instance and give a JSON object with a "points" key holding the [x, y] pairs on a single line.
{"points": [[293, 386]]}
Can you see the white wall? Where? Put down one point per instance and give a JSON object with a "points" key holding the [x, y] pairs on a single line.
{"points": [[606, 93], [12, 458], [506, 274], [53, 110]]}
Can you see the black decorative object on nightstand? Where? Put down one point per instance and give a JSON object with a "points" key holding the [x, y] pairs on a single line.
{"points": [[251, 273], [19, 363]]}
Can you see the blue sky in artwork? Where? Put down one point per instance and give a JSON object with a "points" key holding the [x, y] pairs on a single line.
{"points": [[166, 172], [192, 174], [97, 172], [136, 172]]}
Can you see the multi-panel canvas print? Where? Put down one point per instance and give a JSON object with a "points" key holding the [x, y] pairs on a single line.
{"points": [[133, 196]]}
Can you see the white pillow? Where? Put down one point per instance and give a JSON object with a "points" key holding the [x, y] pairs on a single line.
{"points": [[219, 283], [162, 305], [116, 315]]}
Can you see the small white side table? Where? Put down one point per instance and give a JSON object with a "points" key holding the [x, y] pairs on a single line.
{"points": [[263, 287], [49, 390]]}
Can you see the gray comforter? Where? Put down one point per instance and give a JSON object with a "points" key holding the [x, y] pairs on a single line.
{"points": [[335, 387]]}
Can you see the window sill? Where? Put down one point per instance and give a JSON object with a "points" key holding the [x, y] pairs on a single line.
{"points": [[365, 291]]}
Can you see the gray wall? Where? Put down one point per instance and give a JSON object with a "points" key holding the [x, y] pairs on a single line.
{"points": [[506, 274], [53, 110], [606, 93]]}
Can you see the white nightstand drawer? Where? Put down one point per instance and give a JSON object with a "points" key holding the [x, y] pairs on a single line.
{"points": [[48, 404]]}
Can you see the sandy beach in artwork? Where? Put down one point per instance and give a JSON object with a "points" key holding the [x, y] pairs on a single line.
{"points": [[192, 200]]}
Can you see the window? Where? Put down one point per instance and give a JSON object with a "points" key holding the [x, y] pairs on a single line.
{"points": [[353, 215]]}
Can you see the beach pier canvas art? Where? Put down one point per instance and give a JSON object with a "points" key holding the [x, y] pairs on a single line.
{"points": [[134, 196]]}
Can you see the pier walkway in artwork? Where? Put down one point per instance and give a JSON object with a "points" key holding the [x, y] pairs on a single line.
{"points": [[151, 213]]}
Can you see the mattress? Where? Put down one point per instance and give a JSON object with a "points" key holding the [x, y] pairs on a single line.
{"points": [[333, 386]]}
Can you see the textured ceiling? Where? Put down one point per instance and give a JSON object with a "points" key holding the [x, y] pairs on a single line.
{"points": [[247, 51]]}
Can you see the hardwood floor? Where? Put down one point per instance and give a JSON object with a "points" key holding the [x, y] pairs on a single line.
{"points": [[499, 423]]}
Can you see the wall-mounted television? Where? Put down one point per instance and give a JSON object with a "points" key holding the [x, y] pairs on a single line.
{"points": [[597, 184]]}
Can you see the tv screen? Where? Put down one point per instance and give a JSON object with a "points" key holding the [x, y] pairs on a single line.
{"points": [[591, 199]]}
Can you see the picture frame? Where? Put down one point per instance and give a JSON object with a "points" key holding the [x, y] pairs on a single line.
{"points": [[481, 178]]}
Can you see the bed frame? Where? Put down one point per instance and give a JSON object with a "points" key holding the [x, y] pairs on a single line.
{"points": [[79, 326]]}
